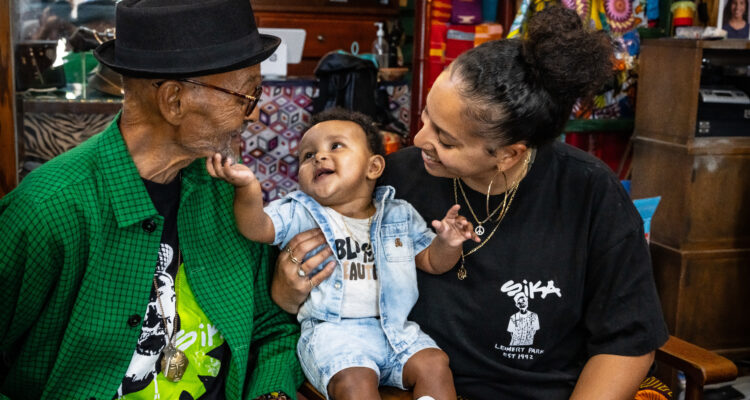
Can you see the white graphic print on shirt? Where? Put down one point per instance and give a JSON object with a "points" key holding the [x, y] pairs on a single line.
{"points": [[524, 324], [353, 249], [142, 368]]}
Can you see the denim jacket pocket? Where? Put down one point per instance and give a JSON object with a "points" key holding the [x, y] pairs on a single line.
{"points": [[397, 244]]}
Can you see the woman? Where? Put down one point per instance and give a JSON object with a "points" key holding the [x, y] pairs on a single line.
{"points": [[558, 298], [735, 19]]}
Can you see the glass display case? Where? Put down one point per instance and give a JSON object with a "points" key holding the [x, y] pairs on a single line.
{"points": [[54, 77]]}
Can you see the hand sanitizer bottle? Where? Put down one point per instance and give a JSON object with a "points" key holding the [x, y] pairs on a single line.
{"points": [[380, 47]]}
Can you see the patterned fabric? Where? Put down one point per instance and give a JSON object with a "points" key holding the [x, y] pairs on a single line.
{"points": [[47, 135], [70, 313], [269, 146], [620, 18], [653, 389]]}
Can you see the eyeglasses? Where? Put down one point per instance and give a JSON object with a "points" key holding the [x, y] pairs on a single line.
{"points": [[252, 99]]}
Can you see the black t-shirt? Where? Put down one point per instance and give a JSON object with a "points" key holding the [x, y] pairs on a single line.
{"points": [[566, 276], [146, 361]]}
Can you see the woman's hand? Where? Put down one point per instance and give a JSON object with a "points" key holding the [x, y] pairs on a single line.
{"points": [[290, 287]]}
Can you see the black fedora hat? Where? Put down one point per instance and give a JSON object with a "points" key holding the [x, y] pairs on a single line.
{"points": [[182, 38]]}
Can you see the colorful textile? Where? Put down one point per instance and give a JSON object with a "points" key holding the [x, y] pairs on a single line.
{"points": [[458, 39], [487, 32], [466, 12], [653, 389], [440, 12]]}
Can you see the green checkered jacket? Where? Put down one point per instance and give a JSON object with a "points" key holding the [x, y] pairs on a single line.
{"points": [[77, 261]]}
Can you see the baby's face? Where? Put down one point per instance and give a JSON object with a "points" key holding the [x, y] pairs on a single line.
{"points": [[334, 161]]}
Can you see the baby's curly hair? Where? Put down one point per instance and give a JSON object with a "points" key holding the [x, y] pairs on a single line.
{"points": [[523, 90], [372, 133]]}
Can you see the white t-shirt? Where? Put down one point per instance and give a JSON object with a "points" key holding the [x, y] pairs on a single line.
{"points": [[353, 249]]}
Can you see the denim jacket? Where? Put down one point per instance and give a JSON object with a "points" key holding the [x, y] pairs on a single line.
{"points": [[398, 233]]}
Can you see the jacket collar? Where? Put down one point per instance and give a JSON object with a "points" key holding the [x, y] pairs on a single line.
{"points": [[120, 179], [123, 184], [380, 193]]}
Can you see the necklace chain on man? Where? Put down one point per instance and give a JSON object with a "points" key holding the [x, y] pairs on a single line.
{"points": [[510, 194], [174, 361]]}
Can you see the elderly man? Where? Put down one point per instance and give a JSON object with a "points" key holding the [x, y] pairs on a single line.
{"points": [[121, 271]]}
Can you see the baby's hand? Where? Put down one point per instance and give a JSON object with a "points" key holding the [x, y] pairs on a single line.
{"points": [[237, 174], [454, 229]]}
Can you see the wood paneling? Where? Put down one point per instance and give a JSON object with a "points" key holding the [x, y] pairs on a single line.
{"points": [[8, 158], [700, 233], [705, 196], [329, 25], [703, 294]]}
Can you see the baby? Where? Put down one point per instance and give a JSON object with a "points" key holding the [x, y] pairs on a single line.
{"points": [[355, 334]]}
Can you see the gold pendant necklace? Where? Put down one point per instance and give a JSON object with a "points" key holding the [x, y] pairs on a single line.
{"points": [[510, 194], [479, 229], [174, 362]]}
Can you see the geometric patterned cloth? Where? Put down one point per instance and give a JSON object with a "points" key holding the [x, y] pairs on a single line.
{"points": [[269, 146]]}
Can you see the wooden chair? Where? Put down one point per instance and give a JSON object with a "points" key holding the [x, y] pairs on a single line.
{"points": [[701, 367]]}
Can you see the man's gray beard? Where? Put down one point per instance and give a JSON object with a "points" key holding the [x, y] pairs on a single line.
{"points": [[227, 151]]}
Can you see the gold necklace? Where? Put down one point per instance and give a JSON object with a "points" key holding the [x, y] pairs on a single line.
{"points": [[351, 235], [479, 229], [174, 362], [505, 206]]}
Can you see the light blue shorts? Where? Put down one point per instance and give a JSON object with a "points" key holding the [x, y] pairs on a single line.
{"points": [[325, 348]]}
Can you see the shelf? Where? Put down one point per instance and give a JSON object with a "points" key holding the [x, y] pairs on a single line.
{"points": [[69, 99], [599, 125], [724, 44]]}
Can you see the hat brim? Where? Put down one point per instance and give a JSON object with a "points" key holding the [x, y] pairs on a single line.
{"points": [[105, 53]]}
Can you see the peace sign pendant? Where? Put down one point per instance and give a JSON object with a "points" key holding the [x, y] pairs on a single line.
{"points": [[479, 230]]}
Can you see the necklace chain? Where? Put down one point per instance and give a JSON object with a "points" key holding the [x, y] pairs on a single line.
{"points": [[471, 210], [161, 306], [348, 231], [510, 194]]}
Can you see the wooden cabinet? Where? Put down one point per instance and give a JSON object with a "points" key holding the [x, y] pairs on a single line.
{"points": [[700, 234], [329, 25]]}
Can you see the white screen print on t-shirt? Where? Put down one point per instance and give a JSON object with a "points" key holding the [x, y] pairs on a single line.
{"points": [[354, 250], [523, 325]]}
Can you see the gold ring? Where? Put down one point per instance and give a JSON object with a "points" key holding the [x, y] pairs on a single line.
{"points": [[312, 285], [291, 256]]}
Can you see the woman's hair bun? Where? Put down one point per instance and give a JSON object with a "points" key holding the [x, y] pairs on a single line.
{"points": [[565, 58]]}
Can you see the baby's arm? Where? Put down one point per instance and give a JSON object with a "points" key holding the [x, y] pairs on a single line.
{"points": [[252, 222], [445, 249]]}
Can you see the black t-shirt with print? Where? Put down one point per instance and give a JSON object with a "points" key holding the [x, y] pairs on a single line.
{"points": [[567, 275], [166, 200]]}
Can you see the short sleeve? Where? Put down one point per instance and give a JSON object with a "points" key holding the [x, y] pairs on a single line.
{"points": [[421, 235], [623, 314], [281, 212]]}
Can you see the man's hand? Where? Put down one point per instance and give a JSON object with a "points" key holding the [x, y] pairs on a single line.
{"points": [[237, 174], [454, 229]]}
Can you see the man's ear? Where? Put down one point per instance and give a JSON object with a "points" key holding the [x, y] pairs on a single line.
{"points": [[375, 167], [171, 101], [507, 157]]}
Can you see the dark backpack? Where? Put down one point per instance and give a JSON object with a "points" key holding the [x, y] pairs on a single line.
{"points": [[346, 81]]}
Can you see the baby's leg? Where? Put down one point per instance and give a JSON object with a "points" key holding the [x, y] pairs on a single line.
{"points": [[354, 383], [428, 373]]}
